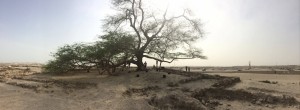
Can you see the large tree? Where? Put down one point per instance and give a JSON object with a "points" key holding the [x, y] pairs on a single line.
{"points": [[158, 35], [113, 50]]}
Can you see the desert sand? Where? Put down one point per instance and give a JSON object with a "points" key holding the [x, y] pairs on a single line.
{"points": [[27, 88]]}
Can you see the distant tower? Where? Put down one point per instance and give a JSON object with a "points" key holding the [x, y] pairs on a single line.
{"points": [[249, 64]]}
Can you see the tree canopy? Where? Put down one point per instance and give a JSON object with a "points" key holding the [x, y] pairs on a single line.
{"points": [[158, 34], [111, 51], [134, 32]]}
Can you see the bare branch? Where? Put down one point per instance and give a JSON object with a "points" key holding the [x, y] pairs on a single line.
{"points": [[163, 24], [142, 19], [164, 60], [132, 24]]}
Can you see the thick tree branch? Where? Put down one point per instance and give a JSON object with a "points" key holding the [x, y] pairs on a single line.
{"points": [[164, 60], [132, 23], [142, 20]]}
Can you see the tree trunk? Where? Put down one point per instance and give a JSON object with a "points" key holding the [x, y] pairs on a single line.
{"points": [[139, 62], [160, 64]]}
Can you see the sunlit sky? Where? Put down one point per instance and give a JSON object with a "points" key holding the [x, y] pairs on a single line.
{"points": [[265, 32]]}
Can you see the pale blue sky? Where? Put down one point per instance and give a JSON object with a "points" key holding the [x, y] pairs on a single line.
{"points": [[267, 32]]}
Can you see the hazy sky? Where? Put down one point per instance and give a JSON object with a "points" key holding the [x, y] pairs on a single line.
{"points": [[265, 32]]}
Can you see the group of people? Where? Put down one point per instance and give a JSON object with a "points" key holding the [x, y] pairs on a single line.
{"points": [[187, 69], [127, 65]]}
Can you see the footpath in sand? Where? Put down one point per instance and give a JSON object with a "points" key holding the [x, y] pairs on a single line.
{"points": [[125, 91]]}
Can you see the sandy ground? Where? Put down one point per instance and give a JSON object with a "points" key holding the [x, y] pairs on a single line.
{"points": [[106, 95], [29, 90], [286, 84]]}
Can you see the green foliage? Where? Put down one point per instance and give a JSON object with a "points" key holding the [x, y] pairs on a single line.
{"points": [[65, 58], [114, 48], [56, 66], [134, 32], [117, 45]]}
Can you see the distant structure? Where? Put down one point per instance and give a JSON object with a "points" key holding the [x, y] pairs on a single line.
{"points": [[249, 64]]}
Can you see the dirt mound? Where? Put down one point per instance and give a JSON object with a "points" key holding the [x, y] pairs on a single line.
{"points": [[42, 80], [46, 85], [140, 91], [28, 86], [178, 72], [269, 82], [241, 95], [227, 82], [60, 83], [201, 76], [177, 101], [73, 85], [190, 79], [223, 81]]}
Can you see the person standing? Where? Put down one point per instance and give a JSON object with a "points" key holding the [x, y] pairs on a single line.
{"points": [[128, 64], [145, 64]]}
